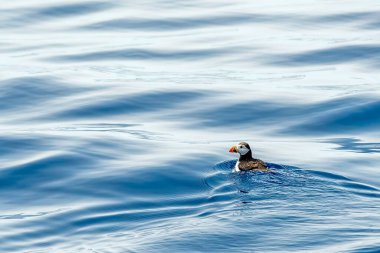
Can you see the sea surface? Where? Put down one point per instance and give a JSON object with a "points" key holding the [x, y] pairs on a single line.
{"points": [[117, 117]]}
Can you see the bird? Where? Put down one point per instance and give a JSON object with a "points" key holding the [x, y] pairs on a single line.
{"points": [[246, 162]]}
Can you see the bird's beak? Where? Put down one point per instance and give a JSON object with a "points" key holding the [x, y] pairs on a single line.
{"points": [[233, 149]]}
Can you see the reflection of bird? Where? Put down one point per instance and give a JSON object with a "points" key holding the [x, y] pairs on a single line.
{"points": [[246, 161]]}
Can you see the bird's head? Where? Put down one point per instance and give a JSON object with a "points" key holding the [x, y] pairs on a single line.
{"points": [[242, 148]]}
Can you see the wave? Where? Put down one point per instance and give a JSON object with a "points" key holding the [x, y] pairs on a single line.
{"points": [[27, 16], [144, 54], [335, 55], [349, 114]]}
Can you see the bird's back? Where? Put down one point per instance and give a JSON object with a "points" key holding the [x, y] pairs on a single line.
{"points": [[254, 164]]}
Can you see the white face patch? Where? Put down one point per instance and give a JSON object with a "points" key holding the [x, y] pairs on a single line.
{"points": [[242, 149]]}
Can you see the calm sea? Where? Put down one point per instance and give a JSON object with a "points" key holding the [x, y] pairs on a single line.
{"points": [[117, 117]]}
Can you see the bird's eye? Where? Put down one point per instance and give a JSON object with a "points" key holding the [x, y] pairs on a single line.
{"points": [[241, 147]]}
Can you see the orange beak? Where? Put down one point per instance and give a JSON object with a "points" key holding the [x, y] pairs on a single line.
{"points": [[233, 149]]}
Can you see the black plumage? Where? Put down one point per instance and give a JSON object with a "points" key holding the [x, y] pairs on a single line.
{"points": [[246, 162]]}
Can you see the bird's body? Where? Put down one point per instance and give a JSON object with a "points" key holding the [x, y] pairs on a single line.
{"points": [[254, 164], [246, 162]]}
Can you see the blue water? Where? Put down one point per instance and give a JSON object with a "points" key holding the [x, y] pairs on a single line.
{"points": [[117, 118]]}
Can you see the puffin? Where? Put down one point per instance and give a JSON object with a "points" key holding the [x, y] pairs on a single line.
{"points": [[246, 162]]}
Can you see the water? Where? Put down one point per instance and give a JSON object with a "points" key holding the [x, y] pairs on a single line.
{"points": [[117, 119]]}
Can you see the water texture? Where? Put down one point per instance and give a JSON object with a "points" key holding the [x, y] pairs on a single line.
{"points": [[117, 119]]}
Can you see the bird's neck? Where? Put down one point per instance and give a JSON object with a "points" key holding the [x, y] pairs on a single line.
{"points": [[246, 157]]}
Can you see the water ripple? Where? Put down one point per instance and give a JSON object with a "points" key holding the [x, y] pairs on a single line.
{"points": [[334, 55], [145, 102], [346, 114], [144, 54], [35, 15], [180, 23], [115, 115]]}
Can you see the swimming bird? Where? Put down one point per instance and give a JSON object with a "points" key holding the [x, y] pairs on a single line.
{"points": [[246, 162]]}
